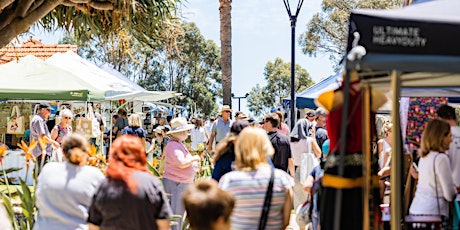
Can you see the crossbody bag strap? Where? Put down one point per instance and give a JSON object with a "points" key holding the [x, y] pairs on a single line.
{"points": [[436, 184], [267, 201]]}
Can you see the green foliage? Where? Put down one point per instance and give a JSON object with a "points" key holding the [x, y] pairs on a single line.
{"points": [[145, 20], [278, 77], [153, 170], [6, 171], [326, 33], [28, 206], [257, 101]]}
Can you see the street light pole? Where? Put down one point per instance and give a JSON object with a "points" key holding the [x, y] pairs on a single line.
{"points": [[293, 19], [239, 99]]}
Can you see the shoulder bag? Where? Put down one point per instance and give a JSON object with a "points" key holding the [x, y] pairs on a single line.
{"points": [[267, 201], [15, 122]]}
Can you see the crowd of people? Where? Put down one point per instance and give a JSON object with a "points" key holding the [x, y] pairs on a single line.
{"points": [[262, 171]]}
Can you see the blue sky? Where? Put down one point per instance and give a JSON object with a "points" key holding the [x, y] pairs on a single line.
{"points": [[260, 32]]}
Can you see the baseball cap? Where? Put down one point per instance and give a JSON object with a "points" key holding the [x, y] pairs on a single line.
{"points": [[44, 105]]}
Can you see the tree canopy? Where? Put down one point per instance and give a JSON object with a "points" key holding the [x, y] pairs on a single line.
{"points": [[89, 17], [326, 32], [278, 77]]}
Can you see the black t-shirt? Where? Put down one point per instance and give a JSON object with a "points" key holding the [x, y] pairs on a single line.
{"points": [[115, 207], [282, 148]]}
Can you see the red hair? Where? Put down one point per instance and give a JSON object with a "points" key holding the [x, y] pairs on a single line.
{"points": [[127, 155]]}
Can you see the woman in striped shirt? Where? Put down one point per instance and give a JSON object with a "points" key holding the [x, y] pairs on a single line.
{"points": [[248, 184]]}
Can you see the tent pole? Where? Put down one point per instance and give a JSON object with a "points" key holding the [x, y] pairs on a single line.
{"points": [[343, 140], [367, 139], [396, 155]]}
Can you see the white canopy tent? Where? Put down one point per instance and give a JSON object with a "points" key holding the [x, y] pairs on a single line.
{"points": [[30, 78], [89, 72]]}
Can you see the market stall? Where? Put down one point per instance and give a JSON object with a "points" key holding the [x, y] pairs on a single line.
{"points": [[413, 51]]}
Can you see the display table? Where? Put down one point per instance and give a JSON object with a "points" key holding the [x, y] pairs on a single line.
{"points": [[17, 159]]}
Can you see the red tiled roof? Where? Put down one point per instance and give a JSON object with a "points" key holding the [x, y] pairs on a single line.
{"points": [[34, 47]]}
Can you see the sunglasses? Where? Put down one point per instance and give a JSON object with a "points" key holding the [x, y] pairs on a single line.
{"points": [[67, 117]]}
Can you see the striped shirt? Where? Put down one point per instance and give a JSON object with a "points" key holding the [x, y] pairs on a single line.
{"points": [[249, 190]]}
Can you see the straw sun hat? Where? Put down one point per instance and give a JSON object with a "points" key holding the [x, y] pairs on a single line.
{"points": [[180, 124], [226, 108]]}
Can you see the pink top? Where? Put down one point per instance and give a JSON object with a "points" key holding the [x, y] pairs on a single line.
{"points": [[177, 165], [284, 129]]}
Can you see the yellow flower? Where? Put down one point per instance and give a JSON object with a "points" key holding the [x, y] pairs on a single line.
{"points": [[200, 147], [42, 141], [3, 149], [28, 149], [92, 151]]}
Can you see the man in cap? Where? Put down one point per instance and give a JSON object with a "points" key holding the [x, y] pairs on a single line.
{"points": [[311, 115], [221, 127], [39, 128]]}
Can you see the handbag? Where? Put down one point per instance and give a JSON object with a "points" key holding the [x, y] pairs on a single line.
{"points": [[303, 212], [88, 125], [267, 201], [308, 161], [15, 123]]}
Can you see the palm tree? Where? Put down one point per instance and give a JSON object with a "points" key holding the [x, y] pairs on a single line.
{"points": [[86, 17], [226, 49]]}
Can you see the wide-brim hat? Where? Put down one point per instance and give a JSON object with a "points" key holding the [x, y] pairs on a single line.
{"points": [[179, 124], [226, 108]]}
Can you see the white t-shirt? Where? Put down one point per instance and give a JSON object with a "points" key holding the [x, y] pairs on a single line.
{"points": [[207, 128], [454, 155], [64, 193], [300, 147], [425, 202], [198, 137]]}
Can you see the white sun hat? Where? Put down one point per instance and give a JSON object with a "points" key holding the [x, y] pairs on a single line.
{"points": [[180, 124]]}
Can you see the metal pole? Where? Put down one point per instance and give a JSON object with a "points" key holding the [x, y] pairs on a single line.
{"points": [[293, 115], [293, 19], [239, 101]]}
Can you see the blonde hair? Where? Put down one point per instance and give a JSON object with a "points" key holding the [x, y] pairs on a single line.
{"points": [[252, 148], [134, 120], [386, 127], [433, 137]]}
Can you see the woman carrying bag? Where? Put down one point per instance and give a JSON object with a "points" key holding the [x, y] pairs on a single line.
{"points": [[435, 187], [263, 194]]}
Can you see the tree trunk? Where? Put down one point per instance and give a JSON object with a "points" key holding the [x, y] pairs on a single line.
{"points": [[226, 49], [19, 25]]}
